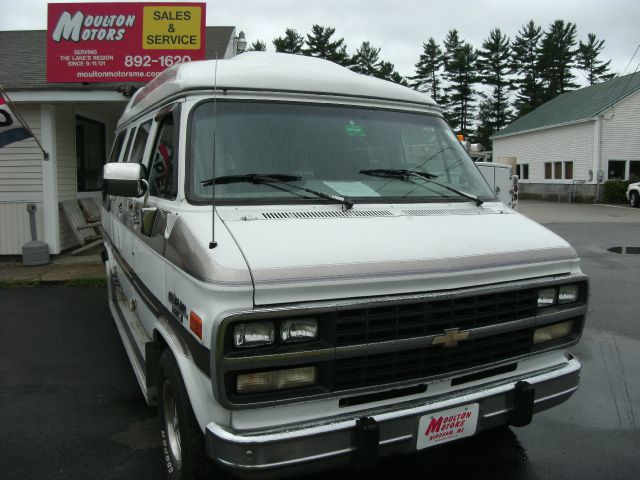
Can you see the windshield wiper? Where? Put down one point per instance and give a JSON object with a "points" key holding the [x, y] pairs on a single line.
{"points": [[278, 179], [405, 175]]}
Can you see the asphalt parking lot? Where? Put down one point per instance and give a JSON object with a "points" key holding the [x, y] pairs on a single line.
{"points": [[70, 407]]}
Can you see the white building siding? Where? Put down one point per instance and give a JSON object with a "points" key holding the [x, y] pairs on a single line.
{"points": [[21, 163], [15, 229], [621, 131], [20, 183], [67, 169], [571, 143]]}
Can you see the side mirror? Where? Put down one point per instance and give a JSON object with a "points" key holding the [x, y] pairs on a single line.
{"points": [[124, 179]]}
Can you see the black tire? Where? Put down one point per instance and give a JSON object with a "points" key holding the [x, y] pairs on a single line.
{"points": [[183, 454], [634, 199]]}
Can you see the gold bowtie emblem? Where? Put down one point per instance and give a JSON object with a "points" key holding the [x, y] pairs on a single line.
{"points": [[451, 337]]}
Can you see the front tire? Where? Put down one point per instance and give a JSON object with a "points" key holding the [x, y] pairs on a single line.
{"points": [[181, 440], [634, 199]]}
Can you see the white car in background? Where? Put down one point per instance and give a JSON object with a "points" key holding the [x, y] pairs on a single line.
{"points": [[633, 194]]}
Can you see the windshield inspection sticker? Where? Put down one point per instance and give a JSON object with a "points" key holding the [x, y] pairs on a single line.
{"points": [[352, 189], [354, 130]]}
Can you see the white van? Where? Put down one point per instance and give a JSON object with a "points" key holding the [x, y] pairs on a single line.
{"points": [[308, 271]]}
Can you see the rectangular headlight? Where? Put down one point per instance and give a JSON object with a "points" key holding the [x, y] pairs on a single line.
{"points": [[568, 293], [552, 332], [253, 334], [276, 380], [299, 330], [546, 297]]}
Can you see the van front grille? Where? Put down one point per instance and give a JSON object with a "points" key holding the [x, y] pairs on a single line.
{"points": [[432, 317], [379, 369]]}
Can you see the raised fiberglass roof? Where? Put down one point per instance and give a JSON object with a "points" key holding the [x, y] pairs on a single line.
{"points": [[260, 71]]}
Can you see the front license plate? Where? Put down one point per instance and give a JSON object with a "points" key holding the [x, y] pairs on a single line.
{"points": [[447, 425]]}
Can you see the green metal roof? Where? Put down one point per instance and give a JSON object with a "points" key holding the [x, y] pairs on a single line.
{"points": [[575, 106]]}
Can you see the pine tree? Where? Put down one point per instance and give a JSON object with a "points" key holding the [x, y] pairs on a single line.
{"points": [[387, 71], [292, 42], [557, 59], [525, 62], [257, 46], [320, 44], [366, 59], [493, 68], [460, 73], [428, 70], [587, 60]]}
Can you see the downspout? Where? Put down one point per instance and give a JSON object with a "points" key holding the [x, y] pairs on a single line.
{"points": [[597, 146]]}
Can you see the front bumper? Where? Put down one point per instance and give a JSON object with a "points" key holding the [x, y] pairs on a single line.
{"points": [[337, 441]]}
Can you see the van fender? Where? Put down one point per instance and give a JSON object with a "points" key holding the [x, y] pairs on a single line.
{"points": [[198, 385]]}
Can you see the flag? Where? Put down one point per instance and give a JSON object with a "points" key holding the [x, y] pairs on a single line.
{"points": [[11, 129]]}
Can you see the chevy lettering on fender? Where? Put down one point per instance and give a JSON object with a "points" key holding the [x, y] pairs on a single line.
{"points": [[352, 292]]}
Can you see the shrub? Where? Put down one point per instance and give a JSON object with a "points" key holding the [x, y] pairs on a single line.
{"points": [[614, 191]]}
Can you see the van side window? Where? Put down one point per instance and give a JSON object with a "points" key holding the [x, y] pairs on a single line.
{"points": [[117, 147], [127, 146], [140, 141], [163, 177]]}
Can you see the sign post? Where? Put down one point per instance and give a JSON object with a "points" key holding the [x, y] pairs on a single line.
{"points": [[121, 42]]}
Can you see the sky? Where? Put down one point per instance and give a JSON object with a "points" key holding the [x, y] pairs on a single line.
{"points": [[400, 27]]}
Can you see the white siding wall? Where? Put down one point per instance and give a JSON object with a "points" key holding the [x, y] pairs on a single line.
{"points": [[67, 169], [21, 163], [20, 183], [14, 226], [621, 131], [561, 144]]}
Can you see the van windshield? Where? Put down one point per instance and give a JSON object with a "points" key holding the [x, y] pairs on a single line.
{"points": [[326, 148]]}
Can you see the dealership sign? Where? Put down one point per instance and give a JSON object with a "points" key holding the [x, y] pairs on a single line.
{"points": [[121, 42]]}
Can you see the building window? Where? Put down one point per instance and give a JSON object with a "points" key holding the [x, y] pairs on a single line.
{"points": [[547, 171], [568, 170], [617, 169], [557, 170], [522, 170], [634, 171], [90, 153]]}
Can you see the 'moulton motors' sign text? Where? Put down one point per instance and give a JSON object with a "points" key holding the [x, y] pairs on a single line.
{"points": [[121, 42]]}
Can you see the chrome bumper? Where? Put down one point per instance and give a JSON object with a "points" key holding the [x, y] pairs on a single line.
{"points": [[334, 442]]}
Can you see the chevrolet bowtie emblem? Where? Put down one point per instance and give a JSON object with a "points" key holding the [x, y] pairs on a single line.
{"points": [[451, 337]]}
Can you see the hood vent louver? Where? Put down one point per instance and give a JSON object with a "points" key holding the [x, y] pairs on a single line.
{"points": [[423, 212], [327, 214], [429, 212]]}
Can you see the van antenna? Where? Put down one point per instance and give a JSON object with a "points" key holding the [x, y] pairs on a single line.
{"points": [[213, 244]]}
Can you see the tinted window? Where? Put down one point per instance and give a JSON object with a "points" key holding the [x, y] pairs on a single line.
{"points": [[163, 171], [117, 147], [139, 143]]}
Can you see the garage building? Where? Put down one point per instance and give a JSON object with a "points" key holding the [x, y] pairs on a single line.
{"points": [[565, 149]]}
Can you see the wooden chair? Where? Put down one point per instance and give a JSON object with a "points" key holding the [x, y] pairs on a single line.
{"points": [[88, 234], [90, 208]]}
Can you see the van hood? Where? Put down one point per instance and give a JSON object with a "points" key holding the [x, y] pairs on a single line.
{"points": [[326, 254]]}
